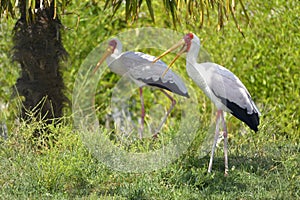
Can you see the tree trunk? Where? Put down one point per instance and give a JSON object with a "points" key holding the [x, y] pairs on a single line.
{"points": [[39, 50]]}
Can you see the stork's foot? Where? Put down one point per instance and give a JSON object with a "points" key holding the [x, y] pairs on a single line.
{"points": [[141, 133]]}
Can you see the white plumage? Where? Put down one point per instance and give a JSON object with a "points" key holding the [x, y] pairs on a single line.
{"points": [[140, 68], [223, 88]]}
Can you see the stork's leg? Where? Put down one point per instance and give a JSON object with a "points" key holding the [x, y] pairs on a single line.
{"points": [[219, 112], [167, 114], [225, 144], [142, 113]]}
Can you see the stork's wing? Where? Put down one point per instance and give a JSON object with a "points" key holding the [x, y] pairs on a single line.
{"points": [[141, 68], [232, 93], [224, 84], [141, 57]]}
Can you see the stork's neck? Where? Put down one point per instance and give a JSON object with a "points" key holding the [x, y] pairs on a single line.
{"points": [[192, 54], [109, 60], [192, 66]]}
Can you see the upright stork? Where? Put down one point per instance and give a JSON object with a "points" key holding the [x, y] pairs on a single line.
{"points": [[223, 88]]}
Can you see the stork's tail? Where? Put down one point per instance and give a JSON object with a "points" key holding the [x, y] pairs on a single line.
{"points": [[252, 120]]}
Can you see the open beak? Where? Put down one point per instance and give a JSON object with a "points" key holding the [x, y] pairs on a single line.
{"points": [[107, 53], [182, 50]]}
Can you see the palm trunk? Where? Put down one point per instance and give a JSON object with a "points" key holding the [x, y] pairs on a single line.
{"points": [[39, 50]]}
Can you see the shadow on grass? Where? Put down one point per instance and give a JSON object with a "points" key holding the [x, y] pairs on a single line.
{"points": [[194, 173]]}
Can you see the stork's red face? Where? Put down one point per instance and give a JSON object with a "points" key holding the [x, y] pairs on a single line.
{"points": [[188, 41]]}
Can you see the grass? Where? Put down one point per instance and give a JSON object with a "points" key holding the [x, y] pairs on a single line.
{"points": [[263, 165], [68, 170]]}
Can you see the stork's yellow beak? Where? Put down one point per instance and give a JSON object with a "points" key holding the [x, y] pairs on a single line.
{"points": [[182, 50], [107, 53]]}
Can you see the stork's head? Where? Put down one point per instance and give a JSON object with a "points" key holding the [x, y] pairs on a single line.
{"points": [[115, 46], [114, 49], [186, 43], [112, 44], [190, 40], [189, 43]]}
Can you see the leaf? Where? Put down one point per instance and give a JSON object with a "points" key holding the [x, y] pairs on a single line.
{"points": [[188, 3], [149, 5], [106, 4], [27, 8], [196, 10], [201, 13], [55, 8], [171, 5], [207, 11], [220, 16], [134, 7], [245, 12], [127, 9], [116, 6], [212, 3], [227, 9], [235, 21], [33, 9], [6, 6], [227, 5]]}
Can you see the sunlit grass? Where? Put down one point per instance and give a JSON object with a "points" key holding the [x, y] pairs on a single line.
{"points": [[260, 168]]}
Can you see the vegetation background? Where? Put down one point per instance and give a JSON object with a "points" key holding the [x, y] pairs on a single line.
{"points": [[263, 165]]}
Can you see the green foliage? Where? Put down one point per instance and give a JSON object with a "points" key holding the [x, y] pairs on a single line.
{"points": [[8, 71], [194, 11], [9, 7], [263, 165]]}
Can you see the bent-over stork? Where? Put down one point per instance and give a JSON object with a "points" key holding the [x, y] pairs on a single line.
{"points": [[142, 70]]}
